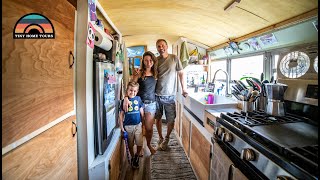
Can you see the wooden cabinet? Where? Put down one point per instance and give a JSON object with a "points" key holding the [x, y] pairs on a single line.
{"points": [[200, 153], [177, 124], [185, 134], [115, 161], [51, 155], [210, 122], [196, 145]]}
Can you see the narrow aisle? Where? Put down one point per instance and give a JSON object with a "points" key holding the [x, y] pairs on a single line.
{"points": [[172, 163], [143, 173]]}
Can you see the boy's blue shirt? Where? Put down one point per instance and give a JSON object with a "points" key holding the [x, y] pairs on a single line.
{"points": [[132, 117]]}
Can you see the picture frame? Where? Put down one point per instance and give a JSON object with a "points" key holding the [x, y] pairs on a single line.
{"points": [[134, 51]]}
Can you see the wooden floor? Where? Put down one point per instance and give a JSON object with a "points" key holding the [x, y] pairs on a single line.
{"points": [[170, 164]]}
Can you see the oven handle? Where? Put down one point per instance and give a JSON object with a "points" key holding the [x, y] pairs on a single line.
{"points": [[230, 172], [246, 168]]}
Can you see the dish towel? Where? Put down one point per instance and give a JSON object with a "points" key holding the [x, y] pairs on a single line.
{"points": [[237, 174], [184, 55], [220, 164]]}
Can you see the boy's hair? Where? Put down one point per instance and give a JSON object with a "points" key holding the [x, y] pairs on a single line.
{"points": [[132, 84]]}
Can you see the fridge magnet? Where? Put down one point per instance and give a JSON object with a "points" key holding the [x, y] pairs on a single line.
{"points": [[92, 9], [254, 44], [268, 39], [90, 37]]}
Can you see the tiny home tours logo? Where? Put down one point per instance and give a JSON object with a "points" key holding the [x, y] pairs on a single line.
{"points": [[33, 26]]}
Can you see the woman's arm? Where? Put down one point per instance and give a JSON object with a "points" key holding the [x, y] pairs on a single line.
{"points": [[143, 121], [136, 75]]}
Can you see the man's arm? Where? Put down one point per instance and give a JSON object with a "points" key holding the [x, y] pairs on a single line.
{"points": [[121, 115], [184, 90]]}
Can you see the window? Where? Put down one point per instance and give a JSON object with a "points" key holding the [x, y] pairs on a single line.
{"points": [[274, 66], [215, 65], [247, 66], [220, 78]]}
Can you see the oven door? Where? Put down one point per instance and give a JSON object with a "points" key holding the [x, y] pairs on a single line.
{"points": [[222, 167]]}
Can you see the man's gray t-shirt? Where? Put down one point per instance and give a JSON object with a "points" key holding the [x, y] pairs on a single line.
{"points": [[167, 75]]}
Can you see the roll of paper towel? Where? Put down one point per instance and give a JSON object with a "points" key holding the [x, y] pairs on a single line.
{"points": [[101, 40]]}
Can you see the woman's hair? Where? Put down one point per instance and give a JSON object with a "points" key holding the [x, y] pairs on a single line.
{"points": [[154, 69], [132, 84]]}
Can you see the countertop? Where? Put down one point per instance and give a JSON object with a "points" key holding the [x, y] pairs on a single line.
{"points": [[217, 112]]}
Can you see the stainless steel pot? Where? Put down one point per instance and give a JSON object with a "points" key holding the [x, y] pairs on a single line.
{"points": [[275, 91], [275, 101]]}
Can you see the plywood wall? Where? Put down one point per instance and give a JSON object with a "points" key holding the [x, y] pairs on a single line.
{"points": [[37, 84]]}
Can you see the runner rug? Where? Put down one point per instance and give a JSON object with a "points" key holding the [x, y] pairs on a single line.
{"points": [[172, 163]]}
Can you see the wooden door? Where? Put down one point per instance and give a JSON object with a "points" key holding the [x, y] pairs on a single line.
{"points": [[38, 94]]}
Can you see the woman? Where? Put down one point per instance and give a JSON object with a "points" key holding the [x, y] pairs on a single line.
{"points": [[147, 79]]}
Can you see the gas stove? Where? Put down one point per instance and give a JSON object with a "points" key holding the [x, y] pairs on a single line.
{"points": [[270, 147]]}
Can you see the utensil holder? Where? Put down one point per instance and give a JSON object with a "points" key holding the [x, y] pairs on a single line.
{"points": [[262, 103], [248, 106]]}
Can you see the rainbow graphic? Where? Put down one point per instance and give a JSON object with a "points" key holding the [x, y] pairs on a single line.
{"points": [[33, 26]]}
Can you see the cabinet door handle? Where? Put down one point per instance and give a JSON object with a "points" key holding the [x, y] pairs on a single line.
{"points": [[74, 130], [71, 54]]}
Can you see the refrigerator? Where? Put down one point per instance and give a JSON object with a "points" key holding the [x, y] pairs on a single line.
{"points": [[107, 78], [104, 104]]}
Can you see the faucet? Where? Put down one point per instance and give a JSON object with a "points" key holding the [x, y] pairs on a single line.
{"points": [[227, 81]]}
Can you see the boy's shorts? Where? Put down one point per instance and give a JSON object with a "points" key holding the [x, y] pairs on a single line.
{"points": [[134, 134]]}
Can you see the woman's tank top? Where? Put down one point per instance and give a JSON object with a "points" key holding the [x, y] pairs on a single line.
{"points": [[147, 88]]}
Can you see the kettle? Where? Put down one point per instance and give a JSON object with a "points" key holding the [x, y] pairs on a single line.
{"points": [[275, 98]]}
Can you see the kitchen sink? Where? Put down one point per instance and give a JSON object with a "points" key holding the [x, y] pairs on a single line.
{"points": [[197, 104]]}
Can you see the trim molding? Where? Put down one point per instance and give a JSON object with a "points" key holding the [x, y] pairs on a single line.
{"points": [[35, 133]]}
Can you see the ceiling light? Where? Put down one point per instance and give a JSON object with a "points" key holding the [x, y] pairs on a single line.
{"points": [[231, 5]]}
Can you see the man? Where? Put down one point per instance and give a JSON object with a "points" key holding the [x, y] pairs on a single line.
{"points": [[169, 66]]}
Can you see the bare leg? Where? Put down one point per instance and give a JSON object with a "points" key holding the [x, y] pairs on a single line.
{"points": [[170, 126], [138, 150], [149, 121], [159, 128], [131, 151]]}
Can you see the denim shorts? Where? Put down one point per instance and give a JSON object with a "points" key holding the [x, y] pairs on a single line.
{"points": [[168, 104], [150, 108]]}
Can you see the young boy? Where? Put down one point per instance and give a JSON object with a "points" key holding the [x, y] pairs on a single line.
{"points": [[131, 121]]}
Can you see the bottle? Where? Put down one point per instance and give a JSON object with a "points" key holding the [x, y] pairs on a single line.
{"points": [[203, 81]]}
